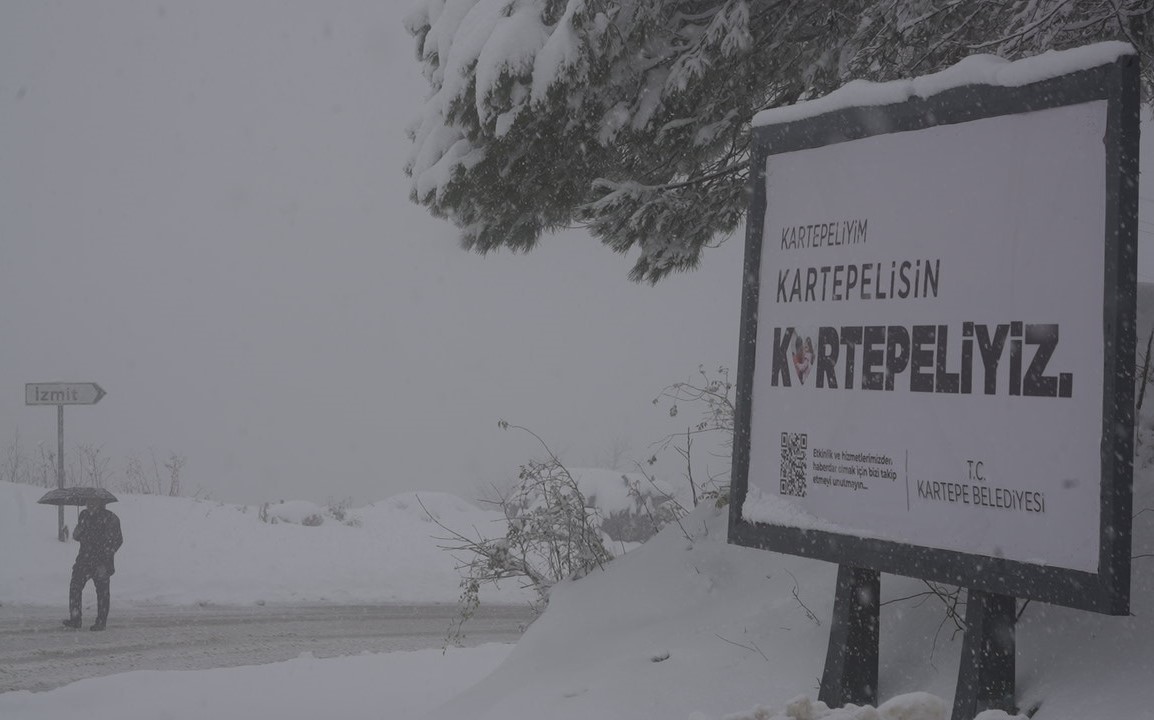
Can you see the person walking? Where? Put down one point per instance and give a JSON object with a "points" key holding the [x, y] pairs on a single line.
{"points": [[98, 532]]}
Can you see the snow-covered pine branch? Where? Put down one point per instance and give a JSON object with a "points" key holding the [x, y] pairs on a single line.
{"points": [[631, 117]]}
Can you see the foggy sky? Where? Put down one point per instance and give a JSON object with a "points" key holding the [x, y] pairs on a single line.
{"points": [[203, 209]]}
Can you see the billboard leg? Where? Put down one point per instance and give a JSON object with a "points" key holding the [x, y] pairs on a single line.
{"points": [[986, 675], [851, 660]]}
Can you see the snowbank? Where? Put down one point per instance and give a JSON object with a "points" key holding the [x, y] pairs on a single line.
{"points": [[181, 551], [694, 625]]}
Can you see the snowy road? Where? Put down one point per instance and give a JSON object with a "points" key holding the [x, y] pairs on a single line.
{"points": [[38, 653]]}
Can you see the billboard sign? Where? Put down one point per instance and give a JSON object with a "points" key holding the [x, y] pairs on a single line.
{"points": [[936, 370]]}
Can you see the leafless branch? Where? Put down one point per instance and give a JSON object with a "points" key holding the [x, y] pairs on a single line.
{"points": [[754, 647], [808, 613]]}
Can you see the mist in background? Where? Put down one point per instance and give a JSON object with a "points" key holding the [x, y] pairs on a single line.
{"points": [[203, 209]]}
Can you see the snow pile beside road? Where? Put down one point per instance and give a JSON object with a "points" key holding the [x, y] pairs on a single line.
{"points": [[694, 627], [181, 551]]}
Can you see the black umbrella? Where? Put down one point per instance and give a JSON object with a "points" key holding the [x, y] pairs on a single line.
{"points": [[77, 496]]}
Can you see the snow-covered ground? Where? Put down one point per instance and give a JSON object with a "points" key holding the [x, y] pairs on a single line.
{"points": [[360, 687], [179, 551], [686, 626]]}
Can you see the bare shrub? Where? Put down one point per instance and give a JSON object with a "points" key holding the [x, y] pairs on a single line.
{"points": [[92, 467], [173, 466], [44, 471], [140, 481], [712, 394], [550, 535], [135, 480]]}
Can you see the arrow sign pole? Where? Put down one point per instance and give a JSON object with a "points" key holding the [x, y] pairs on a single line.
{"points": [[61, 394], [61, 533]]}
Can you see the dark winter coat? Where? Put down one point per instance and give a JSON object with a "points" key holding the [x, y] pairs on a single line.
{"points": [[98, 532]]}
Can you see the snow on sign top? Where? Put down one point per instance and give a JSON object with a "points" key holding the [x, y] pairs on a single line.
{"points": [[973, 70]]}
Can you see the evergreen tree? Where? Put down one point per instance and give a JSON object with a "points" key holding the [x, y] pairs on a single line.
{"points": [[631, 117]]}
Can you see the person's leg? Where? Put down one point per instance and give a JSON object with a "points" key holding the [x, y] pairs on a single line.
{"points": [[75, 592], [103, 599]]}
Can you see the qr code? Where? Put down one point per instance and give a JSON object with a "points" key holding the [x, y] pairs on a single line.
{"points": [[793, 467]]}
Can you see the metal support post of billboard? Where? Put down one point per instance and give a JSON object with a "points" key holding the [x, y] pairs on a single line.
{"points": [[851, 660], [986, 675]]}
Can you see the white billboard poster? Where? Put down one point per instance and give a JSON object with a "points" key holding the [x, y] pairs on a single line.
{"points": [[930, 338], [936, 369]]}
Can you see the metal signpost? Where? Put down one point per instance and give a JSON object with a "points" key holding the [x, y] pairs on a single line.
{"points": [[936, 371], [61, 394]]}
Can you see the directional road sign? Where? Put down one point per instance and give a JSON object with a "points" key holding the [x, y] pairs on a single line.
{"points": [[62, 393]]}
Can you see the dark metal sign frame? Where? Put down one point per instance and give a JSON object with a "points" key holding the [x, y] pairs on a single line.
{"points": [[1108, 590]]}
